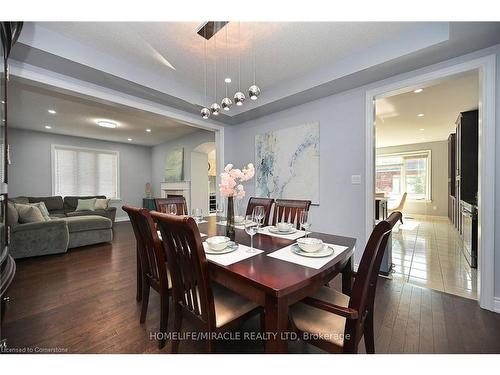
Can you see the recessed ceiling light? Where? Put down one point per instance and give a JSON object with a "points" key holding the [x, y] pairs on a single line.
{"points": [[227, 80], [48, 127], [420, 115], [418, 91], [148, 130], [52, 112], [129, 139], [107, 124], [422, 129]]}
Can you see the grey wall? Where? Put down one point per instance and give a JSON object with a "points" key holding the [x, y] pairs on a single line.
{"points": [[189, 143], [438, 206], [342, 132], [30, 171]]}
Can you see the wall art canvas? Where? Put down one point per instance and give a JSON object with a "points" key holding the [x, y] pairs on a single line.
{"points": [[174, 165], [287, 163]]}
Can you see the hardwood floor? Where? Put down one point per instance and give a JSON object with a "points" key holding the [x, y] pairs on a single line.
{"points": [[84, 302]]}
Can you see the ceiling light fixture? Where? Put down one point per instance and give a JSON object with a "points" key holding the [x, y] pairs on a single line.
{"points": [[239, 97], [52, 112], [420, 115], [215, 107], [254, 90], [227, 80], [226, 102], [205, 112], [148, 130], [48, 127], [418, 91], [129, 139], [107, 124]]}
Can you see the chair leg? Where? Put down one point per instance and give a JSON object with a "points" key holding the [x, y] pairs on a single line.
{"points": [[138, 295], [177, 329], [145, 300], [369, 335], [163, 319]]}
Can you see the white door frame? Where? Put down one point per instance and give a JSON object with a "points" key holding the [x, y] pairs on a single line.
{"points": [[486, 188], [50, 78]]}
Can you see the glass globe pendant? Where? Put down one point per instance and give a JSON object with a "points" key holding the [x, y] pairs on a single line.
{"points": [[239, 98], [205, 113], [254, 92], [215, 109], [226, 104]]}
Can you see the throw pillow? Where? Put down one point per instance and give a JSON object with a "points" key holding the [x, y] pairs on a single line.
{"points": [[101, 204], [29, 213], [43, 209], [85, 205], [12, 214]]}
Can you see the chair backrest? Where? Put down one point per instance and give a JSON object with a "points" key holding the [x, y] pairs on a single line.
{"points": [[179, 201], [289, 210], [267, 203], [402, 202], [188, 266], [151, 253], [364, 287]]}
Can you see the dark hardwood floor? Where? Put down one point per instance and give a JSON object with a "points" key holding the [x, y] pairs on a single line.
{"points": [[84, 302]]}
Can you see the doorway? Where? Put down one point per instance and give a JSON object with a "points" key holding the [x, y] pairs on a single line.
{"points": [[485, 67]]}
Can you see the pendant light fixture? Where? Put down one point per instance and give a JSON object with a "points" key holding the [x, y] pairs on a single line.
{"points": [[226, 102], [205, 112], [239, 97], [254, 90], [215, 108]]}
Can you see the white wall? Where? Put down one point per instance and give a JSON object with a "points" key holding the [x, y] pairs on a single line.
{"points": [[342, 132], [30, 171], [159, 153], [199, 181], [438, 206]]}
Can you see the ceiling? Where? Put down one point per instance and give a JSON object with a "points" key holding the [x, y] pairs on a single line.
{"points": [[397, 118], [77, 116], [296, 62]]}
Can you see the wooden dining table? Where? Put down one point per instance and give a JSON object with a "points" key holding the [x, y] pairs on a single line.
{"points": [[276, 284]]}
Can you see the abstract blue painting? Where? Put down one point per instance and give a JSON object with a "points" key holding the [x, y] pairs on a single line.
{"points": [[287, 163]]}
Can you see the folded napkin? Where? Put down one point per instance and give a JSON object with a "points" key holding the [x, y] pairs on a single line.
{"points": [[238, 226], [293, 236], [287, 255], [233, 257]]}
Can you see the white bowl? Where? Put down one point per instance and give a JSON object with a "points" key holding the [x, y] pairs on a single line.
{"points": [[309, 244], [238, 219], [217, 243], [284, 227]]}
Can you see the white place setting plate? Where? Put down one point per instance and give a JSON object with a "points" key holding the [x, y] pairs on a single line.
{"points": [[231, 246], [275, 230], [323, 252]]}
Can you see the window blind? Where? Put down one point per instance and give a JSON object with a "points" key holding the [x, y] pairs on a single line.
{"points": [[78, 171]]}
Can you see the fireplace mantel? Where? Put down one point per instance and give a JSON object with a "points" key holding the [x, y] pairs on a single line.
{"points": [[177, 188]]}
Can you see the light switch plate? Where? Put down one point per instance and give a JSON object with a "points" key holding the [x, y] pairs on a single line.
{"points": [[356, 179]]}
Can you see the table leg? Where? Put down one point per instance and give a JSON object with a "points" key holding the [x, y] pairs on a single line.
{"points": [[347, 273], [276, 325], [138, 295]]}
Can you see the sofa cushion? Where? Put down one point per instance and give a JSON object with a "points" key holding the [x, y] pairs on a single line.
{"points": [[86, 223], [29, 214], [43, 209], [52, 203], [101, 204], [12, 214], [70, 202], [22, 200], [86, 205]]}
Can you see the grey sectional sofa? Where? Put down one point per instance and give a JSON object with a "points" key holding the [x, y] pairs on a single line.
{"points": [[67, 229]]}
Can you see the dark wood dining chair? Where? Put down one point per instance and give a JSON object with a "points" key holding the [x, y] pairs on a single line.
{"points": [[289, 210], [153, 269], [336, 322], [209, 306], [267, 203], [179, 201]]}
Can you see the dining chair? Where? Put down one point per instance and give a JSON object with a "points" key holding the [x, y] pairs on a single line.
{"points": [[179, 201], [209, 306], [267, 203], [153, 271], [289, 210], [336, 322], [401, 204]]}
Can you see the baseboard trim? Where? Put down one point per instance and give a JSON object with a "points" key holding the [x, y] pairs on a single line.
{"points": [[122, 218], [496, 304]]}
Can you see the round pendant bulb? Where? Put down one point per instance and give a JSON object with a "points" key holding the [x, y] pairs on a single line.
{"points": [[239, 98], [226, 104], [254, 92], [205, 113], [215, 109]]}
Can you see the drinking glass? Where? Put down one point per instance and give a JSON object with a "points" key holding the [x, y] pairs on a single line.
{"points": [[197, 214], [251, 229], [259, 214], [219, 208], [171, 209], [305, 221]]}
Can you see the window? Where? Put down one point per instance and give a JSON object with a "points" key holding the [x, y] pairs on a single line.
{"points": [[83, 171], [405, 172]]}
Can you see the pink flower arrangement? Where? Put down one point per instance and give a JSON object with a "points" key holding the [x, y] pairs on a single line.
{"points": [[231, 180]]}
